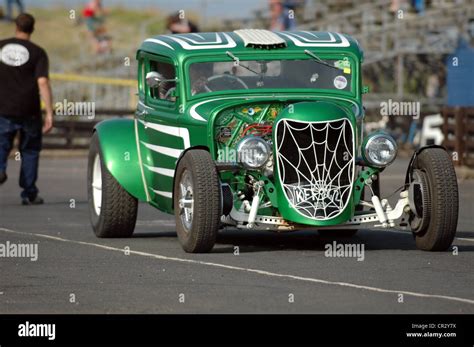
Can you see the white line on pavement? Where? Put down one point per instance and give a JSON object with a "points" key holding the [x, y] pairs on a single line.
{"points": [[256, 271], [408, 232], [464, 239]]}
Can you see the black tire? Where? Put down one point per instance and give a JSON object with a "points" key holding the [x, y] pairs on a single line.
{"points": [[443, 201], [118, 210], [199, 236]]}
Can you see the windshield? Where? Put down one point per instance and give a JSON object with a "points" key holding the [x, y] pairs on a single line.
{"points": [[280, 74]]}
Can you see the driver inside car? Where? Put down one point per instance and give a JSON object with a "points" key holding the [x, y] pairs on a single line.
{"points": [[200, 74]]}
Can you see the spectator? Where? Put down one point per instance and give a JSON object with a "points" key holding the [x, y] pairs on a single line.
{"points": [[24, 75], [10, 3], [281, 16], [94, 14], [419, 6], [394, 6], [432, 87], [178, 25]]}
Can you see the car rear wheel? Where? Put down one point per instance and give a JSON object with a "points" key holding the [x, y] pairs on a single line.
{"points": [[113, 211], [197, 202], [434, 200]]}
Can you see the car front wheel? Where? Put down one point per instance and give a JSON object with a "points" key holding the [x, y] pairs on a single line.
{"points": [[197, 202], [434, 200]]}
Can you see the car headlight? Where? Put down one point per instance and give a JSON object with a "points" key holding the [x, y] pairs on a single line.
{"points": [[253, 152], [379, 150]]}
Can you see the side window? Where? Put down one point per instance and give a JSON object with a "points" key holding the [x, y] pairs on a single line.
{"points": [[165, 90]]}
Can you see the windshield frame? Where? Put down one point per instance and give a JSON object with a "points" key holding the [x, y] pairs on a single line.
{"points": [[249, 56]]}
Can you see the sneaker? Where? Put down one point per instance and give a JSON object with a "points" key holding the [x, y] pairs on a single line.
{"points": [[36, 201], [3, 177]]}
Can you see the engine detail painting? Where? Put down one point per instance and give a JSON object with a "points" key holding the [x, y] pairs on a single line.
{"points": [[232, 126], [234, 123]]}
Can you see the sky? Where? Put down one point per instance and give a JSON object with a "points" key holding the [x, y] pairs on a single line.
{"points": [[213, 8]]}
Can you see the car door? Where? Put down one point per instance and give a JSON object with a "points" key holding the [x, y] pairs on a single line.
{"points": [[163, 140]]}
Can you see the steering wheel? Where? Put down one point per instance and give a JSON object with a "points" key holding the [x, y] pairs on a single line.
{"points": [[237, 79]]}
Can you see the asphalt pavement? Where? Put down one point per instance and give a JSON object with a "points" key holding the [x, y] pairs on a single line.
{"points": [[271, 273]]}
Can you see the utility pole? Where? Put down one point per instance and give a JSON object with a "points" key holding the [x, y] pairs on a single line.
{"points": [[400, 76]]}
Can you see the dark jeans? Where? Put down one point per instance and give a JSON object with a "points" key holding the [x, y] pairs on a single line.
{"points": [[10, 3], [30, 147]]}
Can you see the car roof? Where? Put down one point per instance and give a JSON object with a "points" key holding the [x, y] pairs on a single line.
{"points": [[255, 41]]}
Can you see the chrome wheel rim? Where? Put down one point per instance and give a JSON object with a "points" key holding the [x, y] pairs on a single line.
{"points": [[186, 200], [419, 202], [97, 185]]}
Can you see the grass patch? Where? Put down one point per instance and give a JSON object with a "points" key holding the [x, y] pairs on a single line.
{"points": [[66, 40]]}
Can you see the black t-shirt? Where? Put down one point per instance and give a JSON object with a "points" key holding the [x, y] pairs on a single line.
{"points": [[21, 64]]}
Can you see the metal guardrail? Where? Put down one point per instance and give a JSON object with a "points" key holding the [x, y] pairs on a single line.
{"points": [[94, 79], [104, 91], [72, 132], [76, 134]]}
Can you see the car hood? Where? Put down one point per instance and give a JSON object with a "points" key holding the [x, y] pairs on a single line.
{"points": [[206, 110]]}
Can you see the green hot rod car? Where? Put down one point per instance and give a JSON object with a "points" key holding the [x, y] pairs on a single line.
{"points": [[259, 130]]}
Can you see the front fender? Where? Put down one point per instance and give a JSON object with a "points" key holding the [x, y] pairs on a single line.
{"points": [[118, 144], [412, 161]]}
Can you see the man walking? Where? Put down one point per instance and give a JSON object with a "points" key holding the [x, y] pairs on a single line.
{"points": [[24, 76]]}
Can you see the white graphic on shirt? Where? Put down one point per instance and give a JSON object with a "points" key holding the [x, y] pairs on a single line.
{"points": [[14, 54]]}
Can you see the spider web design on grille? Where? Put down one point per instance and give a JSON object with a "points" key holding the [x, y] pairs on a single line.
{"points": [[316, 166]]}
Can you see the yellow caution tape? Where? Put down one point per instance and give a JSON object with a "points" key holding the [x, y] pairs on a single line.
{"points": [[93, 79]]}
